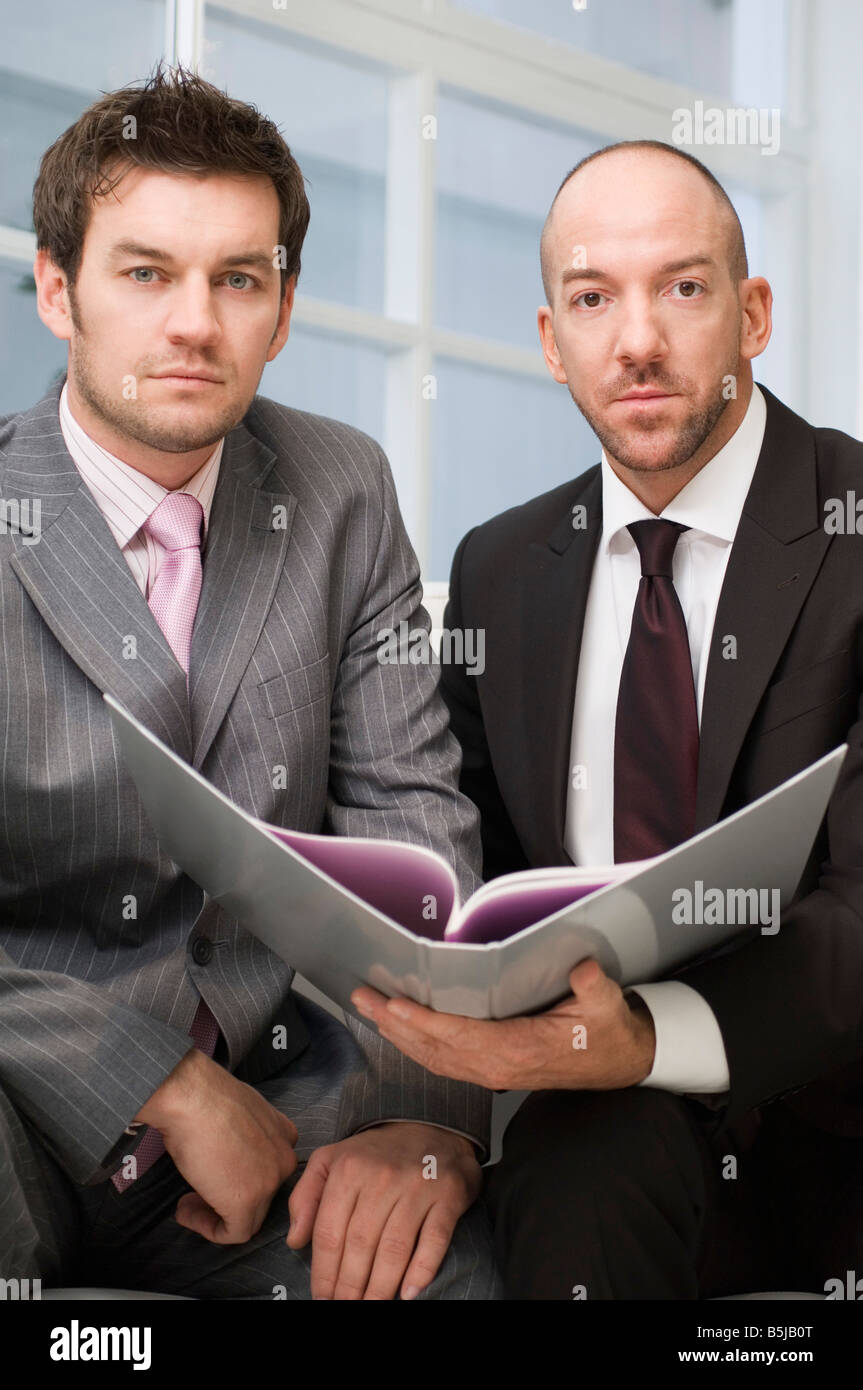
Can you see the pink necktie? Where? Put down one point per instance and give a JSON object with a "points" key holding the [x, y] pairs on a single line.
{"points": [[176, 524]]}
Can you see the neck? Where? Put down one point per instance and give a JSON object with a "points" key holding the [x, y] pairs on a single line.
{"points": [[171, 471], [657, 490]]}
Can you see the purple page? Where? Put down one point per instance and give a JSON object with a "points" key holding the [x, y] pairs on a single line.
{"points": [[395, 879], [497, 918]]}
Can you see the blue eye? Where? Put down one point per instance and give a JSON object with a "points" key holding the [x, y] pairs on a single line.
{"points": [[142, 270]]}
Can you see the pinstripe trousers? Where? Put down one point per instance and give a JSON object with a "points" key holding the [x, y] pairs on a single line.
{"points": [[67, 1234]]}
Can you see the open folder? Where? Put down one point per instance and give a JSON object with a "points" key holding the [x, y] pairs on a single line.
{"points": [[347, 911]]}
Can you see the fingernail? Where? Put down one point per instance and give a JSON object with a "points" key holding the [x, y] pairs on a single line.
{"points": [[410, 1292]]}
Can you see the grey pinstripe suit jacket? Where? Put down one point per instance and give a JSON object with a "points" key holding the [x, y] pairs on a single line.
{"points": [[97, 977]]}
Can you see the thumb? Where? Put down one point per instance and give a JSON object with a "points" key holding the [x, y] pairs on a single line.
{"points": [[197, 1215], [306, 1198], [585, 977]]}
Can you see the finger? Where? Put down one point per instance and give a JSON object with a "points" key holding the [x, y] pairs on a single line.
{"points": [[193, 1213], [441, 1060], [328, 1237], [365, 999], [586, 976], [451, 1058], [362, 1237], [289, 1130], [395, 1248], [422, 1022], [434, 1241], [447, 1028], [196, 1214], [305, 1200]]}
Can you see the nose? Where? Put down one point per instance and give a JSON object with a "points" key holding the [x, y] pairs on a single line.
{"points": [[191, 312], [640, 339]]}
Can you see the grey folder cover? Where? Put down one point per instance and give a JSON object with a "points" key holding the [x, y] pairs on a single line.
{"points": [[340, 937]]}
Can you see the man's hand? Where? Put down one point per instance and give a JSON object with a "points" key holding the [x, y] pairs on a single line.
{"points": [[594, 1041], [231, 1146], [381, 1208]]}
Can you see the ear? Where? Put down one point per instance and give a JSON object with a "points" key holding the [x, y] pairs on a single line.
{"points": [[549, 343], [52, 298], [756, 302], [283, 323]]}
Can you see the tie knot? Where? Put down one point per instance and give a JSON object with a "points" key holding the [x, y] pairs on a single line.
{"points": [[656, 541], [176, 522]]}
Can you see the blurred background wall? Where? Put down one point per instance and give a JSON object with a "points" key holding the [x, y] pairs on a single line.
{"points": [[433, 135]]}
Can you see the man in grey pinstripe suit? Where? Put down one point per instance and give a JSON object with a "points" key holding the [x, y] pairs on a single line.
{"points": [[106, 949]]}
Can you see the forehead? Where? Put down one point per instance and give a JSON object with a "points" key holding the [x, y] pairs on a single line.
{"points": [[640, 207], [179, 203]]}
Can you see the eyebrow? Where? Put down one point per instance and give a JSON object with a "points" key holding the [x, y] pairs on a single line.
{"points": [[573, 273], [122, 250]]}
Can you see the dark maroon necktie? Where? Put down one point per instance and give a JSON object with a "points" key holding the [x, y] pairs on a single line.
{"points": [[656, 732]]}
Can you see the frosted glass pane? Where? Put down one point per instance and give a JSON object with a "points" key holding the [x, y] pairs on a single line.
{"points": [[329, 376], [30, 355], [55, 60], [729, 48], [333, 114], [497, 175], [497, 440]]}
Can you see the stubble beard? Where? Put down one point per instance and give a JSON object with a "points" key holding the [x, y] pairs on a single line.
{"points": [[133, 419], [696, 428]]}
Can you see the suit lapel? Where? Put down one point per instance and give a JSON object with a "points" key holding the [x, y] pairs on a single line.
{"points": [[777, 552], [80, 583], [83, 588], [557, 581], [244, 555]]}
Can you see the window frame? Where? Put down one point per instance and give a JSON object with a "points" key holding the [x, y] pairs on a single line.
{"points": [[425, 45]]}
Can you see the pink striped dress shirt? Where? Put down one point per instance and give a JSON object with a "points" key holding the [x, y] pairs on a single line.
{"points": [[126, 497]]}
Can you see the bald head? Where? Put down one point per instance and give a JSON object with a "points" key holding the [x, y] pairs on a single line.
{"points": [[642, 151]]}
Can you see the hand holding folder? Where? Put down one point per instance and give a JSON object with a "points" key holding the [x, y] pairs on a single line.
{"points": [[346, 911]]}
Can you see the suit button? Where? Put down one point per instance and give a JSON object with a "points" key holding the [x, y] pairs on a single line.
{"points": [[202, 950]]}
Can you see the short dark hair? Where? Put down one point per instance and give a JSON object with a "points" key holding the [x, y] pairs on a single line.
{"points": [[737, 261], [183, 125]]}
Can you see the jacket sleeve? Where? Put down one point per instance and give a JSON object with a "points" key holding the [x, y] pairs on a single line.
{"points": [[78, 1064], [394, 775], [790, 1006], [502, 852]]}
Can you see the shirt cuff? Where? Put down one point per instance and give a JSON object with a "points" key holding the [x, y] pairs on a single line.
{"points": [[481, 1149], [690, 1054]]}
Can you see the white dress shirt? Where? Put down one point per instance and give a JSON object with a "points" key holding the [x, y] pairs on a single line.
{"points": [[128, 498], [690, 1054]]}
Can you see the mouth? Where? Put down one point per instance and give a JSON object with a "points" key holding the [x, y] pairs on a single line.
{"points": [[646, 394], [189, 379]]}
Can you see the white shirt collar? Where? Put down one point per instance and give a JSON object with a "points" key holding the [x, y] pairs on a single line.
{"points": [[711, 502], [125, 496]]}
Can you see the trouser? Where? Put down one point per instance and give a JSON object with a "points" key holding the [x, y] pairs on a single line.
{"points": [[67, 1235], [633, 1194]]}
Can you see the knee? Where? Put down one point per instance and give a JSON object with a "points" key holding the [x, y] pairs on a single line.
{"points": [[620, 1142]]}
